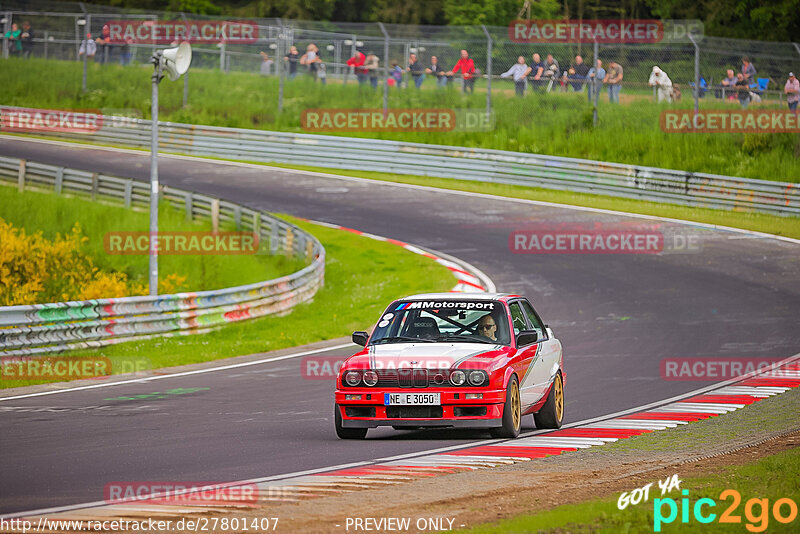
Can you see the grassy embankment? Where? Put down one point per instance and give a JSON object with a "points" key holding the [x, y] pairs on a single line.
{"points": [[555, 123]]}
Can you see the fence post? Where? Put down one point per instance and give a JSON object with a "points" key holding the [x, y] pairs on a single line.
{"points": [[128, 193], [86, 27], [46, 41], [595, 88], [188, 205], [59, 180], [279, 63], [386, 70], [21, 176], [215, 215], [696, 75], [185, 74], [488, 72], [6, 29]]}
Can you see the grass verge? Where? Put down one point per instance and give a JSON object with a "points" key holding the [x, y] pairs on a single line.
{"points": [[362, 275], [51, 214], [544, 123], [768, 479]]}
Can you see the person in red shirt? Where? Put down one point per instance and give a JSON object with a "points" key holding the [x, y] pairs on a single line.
{"points": [[357, 62], [466, 66]]}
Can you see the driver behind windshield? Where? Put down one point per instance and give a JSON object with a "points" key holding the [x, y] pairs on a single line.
{"points": [[487, 327]]}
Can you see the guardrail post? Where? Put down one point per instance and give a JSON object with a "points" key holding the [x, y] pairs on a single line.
{"points": [[237, 217], [21, 175], [94, 186], [59, 180], [273, 238], [309, 250], [215, 215], [128, 193], [289, 241], [187, 202]]}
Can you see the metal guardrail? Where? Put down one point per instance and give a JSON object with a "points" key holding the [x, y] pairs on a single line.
{"points": [[476, 164], [46, 328]]}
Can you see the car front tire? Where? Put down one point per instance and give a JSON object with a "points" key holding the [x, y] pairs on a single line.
{"points": [[512, 412], [346, 433]]}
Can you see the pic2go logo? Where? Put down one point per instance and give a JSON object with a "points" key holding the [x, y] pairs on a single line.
{"points": [[756, 511]]}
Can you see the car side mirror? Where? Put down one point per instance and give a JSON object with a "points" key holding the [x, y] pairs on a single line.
{"points": [[527, 337], [360, 338]]}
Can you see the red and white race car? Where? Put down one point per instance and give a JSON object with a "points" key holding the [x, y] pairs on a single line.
{"points": [[480, 360]]}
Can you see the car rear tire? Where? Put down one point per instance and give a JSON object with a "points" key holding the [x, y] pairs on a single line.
{"points": [[552, 413], [346, 433], [512, 412]]}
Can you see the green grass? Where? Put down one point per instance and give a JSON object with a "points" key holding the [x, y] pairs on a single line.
{"points": [[362, 276], [555, 123], [759, 222], [53, 215], [773, 477]]}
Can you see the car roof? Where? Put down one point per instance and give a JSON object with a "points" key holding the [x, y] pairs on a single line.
{"points": [[459, 296]]}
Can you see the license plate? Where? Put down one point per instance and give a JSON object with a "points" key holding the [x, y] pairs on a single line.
{"points": [[425, 399]]}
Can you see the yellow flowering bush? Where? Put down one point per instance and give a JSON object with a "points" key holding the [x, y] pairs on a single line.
{"points": [[35, 270]]}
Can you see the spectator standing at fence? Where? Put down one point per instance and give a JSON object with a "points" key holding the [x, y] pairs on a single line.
{"points": [[743, 90], [372, 64], [395, 75], [792, 90], [88, 47], [266, 64], [292, 58], [551, 71], [662, 83], [26, 38], [357, 62], [466, 67], [537, 71], [311, 60], [576, 74], [728, 83], [125, 55], [416, 69], [438, 71], [104, 44], [595, 78], [519, 72], [613, 79], [748, 70], [14, 40]]}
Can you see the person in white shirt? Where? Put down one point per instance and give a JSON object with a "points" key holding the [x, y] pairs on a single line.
{"points": [[519, 72], [88, 47], [659, 79]]}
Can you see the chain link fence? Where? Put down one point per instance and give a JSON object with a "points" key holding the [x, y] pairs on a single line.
{"points": [[378, 58]]}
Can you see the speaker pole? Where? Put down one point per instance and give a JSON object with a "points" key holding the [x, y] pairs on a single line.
{"points": [[153, 268]]}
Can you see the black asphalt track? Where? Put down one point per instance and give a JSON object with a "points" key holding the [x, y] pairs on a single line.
{"points": [[618, 316]]}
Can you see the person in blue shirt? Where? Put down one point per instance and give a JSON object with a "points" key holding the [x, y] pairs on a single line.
{"points": [[595, 79]]}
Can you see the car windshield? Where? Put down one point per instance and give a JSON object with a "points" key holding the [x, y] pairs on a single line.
{"points": [[470, 321]]}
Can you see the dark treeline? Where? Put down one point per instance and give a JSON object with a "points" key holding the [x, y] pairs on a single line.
{"points": [[764, 20]]}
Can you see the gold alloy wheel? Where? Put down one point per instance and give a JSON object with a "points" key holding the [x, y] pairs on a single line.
{"points": [[516, 408], [559, 398]]}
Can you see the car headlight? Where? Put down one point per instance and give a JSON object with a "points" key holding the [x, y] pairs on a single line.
{"points": [[370, 378], [457, 377], [353, 378], [476, 378]]}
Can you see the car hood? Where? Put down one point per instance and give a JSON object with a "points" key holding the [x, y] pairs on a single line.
{"points": [[427, 356]]}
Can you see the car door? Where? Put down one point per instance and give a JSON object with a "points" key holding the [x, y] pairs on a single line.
{"points": [[526, 356], [547, 359]]}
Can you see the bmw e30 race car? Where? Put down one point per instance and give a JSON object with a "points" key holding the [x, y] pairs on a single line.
{"points": [[478, 360]]}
